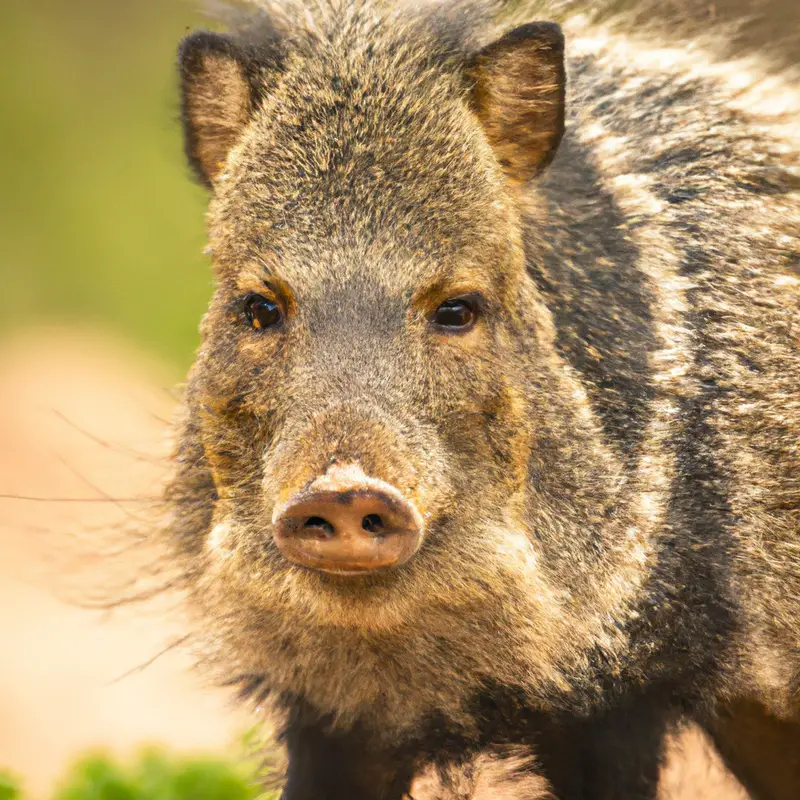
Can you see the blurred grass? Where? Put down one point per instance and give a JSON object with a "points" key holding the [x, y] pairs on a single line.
{"points": [[99, 222], [154, 775], [9, 789], [157, 774]]}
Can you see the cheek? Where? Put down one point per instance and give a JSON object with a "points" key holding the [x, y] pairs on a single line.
{"points": [[509, 427], [238, 547], [451, 373], [508, 407], [490, 437], [237, 402], [232, 443]]}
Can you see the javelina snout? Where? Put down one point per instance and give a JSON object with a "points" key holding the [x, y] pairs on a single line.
{"points": [[348, 523], [349, 487]]}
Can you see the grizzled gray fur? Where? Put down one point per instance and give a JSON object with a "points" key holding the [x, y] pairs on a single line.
{"points": [[494, 434]]}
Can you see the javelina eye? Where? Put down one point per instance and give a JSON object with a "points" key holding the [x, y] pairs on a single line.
{"points": [[261, 312], [457, 315]]}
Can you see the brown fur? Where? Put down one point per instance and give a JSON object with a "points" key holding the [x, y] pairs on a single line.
{"points": [[607, 463], [763, 751], [488, 776]]}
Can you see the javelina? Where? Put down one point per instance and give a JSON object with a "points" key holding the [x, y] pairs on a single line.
{"points": [[480, 449]]}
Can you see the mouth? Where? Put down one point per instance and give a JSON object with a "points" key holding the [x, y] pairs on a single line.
{"points": [[347, 573]]}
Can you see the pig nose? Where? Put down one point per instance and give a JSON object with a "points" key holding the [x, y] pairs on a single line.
{"points": [[356, 531]]}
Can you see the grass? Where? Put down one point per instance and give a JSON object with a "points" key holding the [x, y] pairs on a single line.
{"points": [[157, 774], [9, 788], [153, 775]]}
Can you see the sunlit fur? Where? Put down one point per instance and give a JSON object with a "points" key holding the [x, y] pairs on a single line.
{"points": [[507, 774], [608, 465]]}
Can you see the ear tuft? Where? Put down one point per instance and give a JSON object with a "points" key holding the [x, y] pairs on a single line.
{"points": [[519, 86], [217, 99]]}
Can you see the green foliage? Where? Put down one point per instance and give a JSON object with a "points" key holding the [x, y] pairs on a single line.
{"points": [[156, 775], [9, 788]]}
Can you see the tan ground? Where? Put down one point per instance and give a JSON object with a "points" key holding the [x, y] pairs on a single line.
{"points": [[79, 419], [60, 665]]}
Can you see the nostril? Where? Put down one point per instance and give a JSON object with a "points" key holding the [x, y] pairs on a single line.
{"points": [[347, 528], [372, 523], [321, 524]]}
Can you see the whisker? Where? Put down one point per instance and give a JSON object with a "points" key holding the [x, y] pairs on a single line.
{"points": [[25, 498], [122, 601], [105, 444], [94, 487], [167, 423], [33, 499], [150, 661]]}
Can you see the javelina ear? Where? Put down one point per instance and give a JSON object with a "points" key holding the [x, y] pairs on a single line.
{"points": [[217, 99], [518, 95]]}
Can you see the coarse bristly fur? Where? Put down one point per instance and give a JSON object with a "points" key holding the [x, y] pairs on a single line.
{"points": [[505, 774], [607, 463]]}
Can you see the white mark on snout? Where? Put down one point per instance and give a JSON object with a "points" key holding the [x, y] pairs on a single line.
{"points": [[346, 477], [351, 478]]}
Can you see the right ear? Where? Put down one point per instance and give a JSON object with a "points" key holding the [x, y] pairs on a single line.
{"points": [[519, 83], [218, 97]]}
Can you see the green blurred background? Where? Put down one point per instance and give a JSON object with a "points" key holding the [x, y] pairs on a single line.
{"points": [[153, 775], [99, 221]]}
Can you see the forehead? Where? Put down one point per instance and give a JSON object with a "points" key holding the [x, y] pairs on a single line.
{"points": [[353, 166]]}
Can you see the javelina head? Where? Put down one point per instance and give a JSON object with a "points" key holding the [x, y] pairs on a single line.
{"points": [[375, 360]]}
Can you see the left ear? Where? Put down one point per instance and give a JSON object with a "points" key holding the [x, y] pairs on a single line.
{"points": [[217, 99], [519, 84]]}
